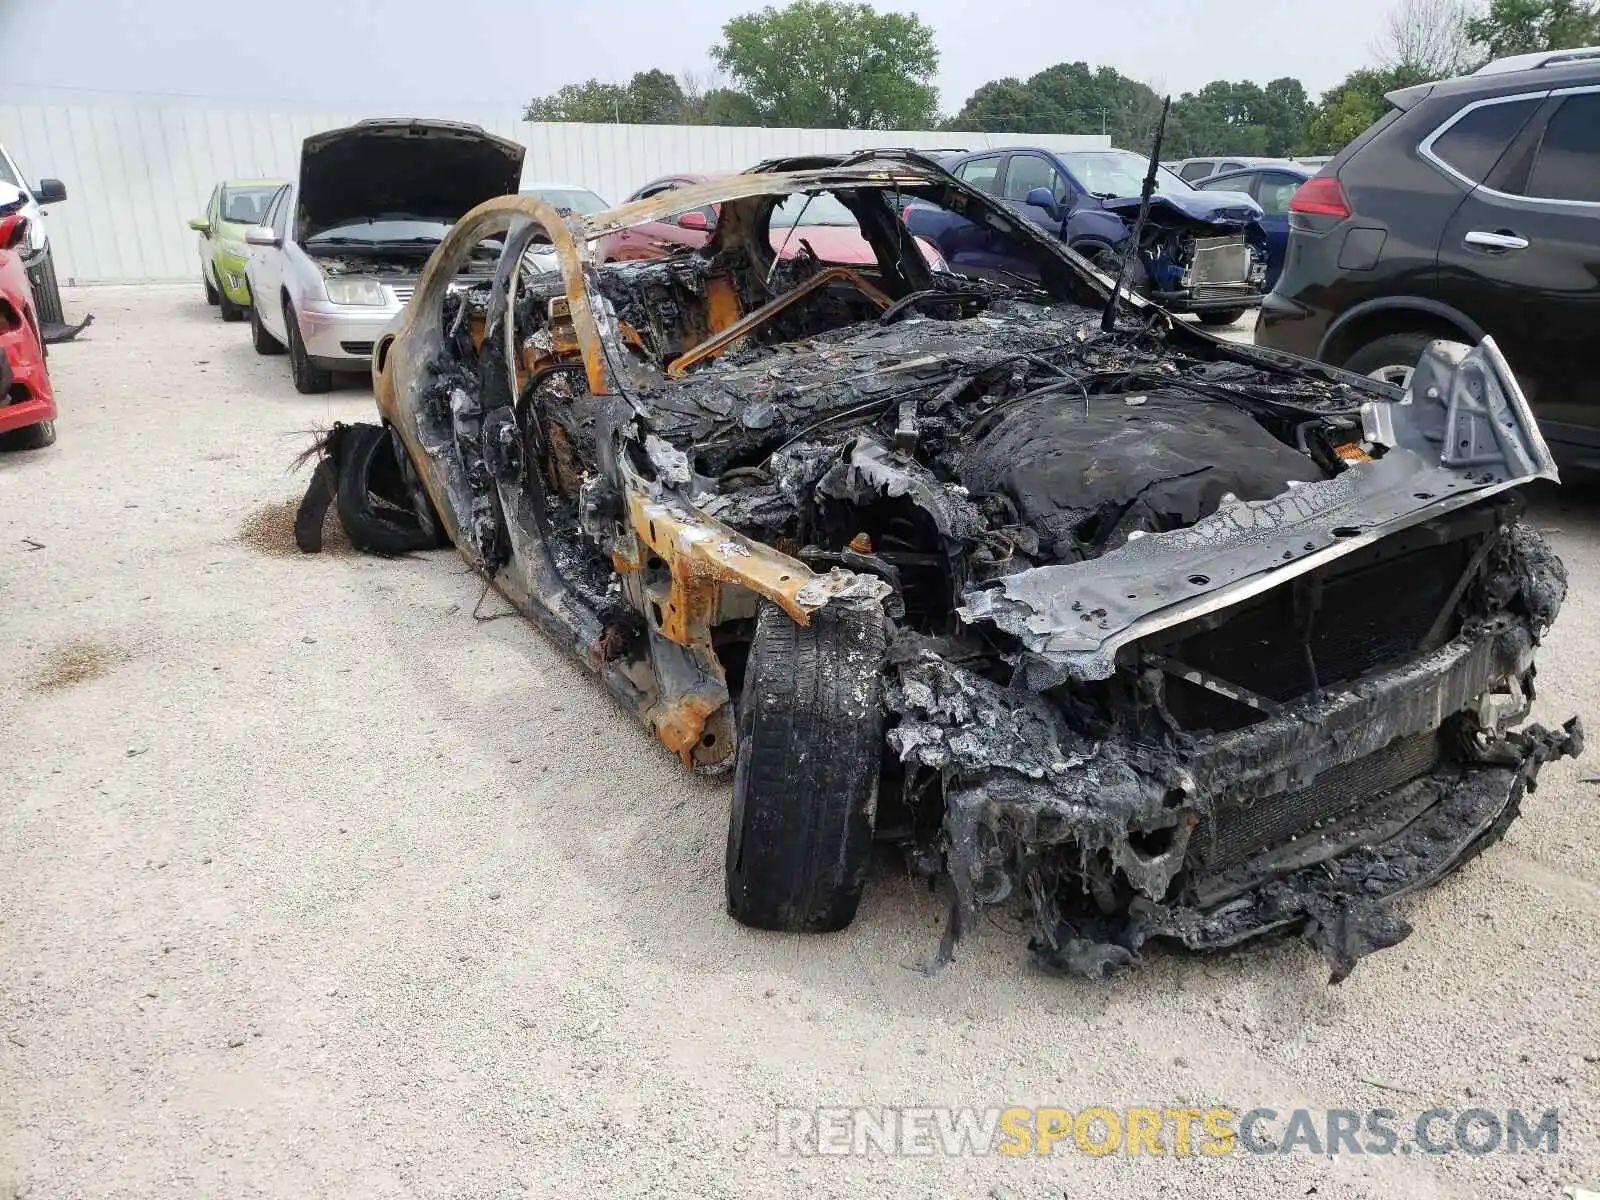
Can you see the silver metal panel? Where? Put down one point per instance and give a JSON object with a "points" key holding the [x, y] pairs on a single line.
{"points": [[135, 173]]}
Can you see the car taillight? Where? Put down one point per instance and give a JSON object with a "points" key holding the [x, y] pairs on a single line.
{"points": [[1320, 197], [905, 213]]}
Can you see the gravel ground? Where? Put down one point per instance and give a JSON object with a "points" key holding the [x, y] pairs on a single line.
{"points": [[312, 885]]}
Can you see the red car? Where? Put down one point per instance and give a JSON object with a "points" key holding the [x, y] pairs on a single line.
{"points": [[828, 226], [27, 406]]}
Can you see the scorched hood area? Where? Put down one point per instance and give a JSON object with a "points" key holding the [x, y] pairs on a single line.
{"points": [[1165, 638]]}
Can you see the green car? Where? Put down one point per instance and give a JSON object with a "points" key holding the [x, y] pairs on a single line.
{"points": [[235, 205]]}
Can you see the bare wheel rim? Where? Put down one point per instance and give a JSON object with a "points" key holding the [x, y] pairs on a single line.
{"points": [[1394, 373]]}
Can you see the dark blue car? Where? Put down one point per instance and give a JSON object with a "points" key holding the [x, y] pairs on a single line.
{"points": [[1203, 251], [1271, 187]]}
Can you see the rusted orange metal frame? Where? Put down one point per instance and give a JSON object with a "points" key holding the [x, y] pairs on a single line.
{"points": [[718, 342], [701, 553]]}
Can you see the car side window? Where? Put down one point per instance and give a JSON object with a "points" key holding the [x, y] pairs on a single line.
{"points": [[1232, 166], [655, 189], [1195, 170], [982, 173], [278, 215], [1029, 171], [1274, 191], [1567, 166], [1474, 143], [1229, 183]]}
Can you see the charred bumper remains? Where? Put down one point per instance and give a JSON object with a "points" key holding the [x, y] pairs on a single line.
{"points": [[1305, 818]]}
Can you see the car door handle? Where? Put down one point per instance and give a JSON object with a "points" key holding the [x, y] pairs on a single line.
{"points": [[1499, 240]]}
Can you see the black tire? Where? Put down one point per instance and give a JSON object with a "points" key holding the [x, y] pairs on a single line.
{"points": [[46, 290], [1108, 262], [230, 310], [313, 510], [1222, 316], [213, 297], [30, 437], [375, 506], [421, 503], [262, 340], [1390, 358], [309, 380], [805, 783]]}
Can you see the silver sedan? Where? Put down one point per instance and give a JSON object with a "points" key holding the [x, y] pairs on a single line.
{"points": [[339, 251]]}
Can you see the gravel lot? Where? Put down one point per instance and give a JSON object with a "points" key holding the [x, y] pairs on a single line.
{"points": [[312, 885]]}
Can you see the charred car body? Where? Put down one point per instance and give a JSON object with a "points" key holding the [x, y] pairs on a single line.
{"points": [[1169, 638]]}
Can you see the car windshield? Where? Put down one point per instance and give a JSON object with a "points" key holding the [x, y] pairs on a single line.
{"points": [[820, 209], [570, 200], [1108, 173], [382, 232], [247, 205]]}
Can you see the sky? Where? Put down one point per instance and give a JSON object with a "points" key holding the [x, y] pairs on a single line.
{"points": [[428, 57]]}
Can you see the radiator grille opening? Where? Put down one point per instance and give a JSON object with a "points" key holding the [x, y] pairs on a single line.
{"points": [[1370, 614], [1234, 832]]}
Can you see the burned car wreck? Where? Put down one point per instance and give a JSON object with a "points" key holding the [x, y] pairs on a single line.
{"points": [[1159, 636]]}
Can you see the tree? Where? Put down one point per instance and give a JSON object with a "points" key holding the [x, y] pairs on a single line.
{"points": [[1526, 26], [1285, 107], [649, 98], [1065, 98], [1346, 110], [830, 64], [1429, 37]]}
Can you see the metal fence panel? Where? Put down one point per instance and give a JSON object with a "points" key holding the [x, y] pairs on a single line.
{"points": [[136, 173]]}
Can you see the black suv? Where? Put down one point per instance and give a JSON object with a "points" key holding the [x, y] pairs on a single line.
{"points": [[1471, 207]]}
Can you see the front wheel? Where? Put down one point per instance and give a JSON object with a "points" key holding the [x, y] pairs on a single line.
{"points": [[263, 341], [1222, 316], [46, 290], [1108, 262], [30, 437], [230, 310], [309, 379], [1390, 359], [805, 783]]}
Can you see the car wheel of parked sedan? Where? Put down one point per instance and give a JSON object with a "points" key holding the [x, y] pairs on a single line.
{"points": [[213, 297], [308, 378], [1225, 316], [30, 437], [263, 341], [1390, 359], [230, 310], [805, 783]]}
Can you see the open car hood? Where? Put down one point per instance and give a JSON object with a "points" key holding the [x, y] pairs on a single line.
{"points": [[1464, 431], [1234, 208], [430, 170]]}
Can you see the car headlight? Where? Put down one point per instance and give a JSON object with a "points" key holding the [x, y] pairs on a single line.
{"points": [[356, 291]]}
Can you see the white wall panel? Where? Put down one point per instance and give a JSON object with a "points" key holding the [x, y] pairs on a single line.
{"points": [[135, 174]]}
